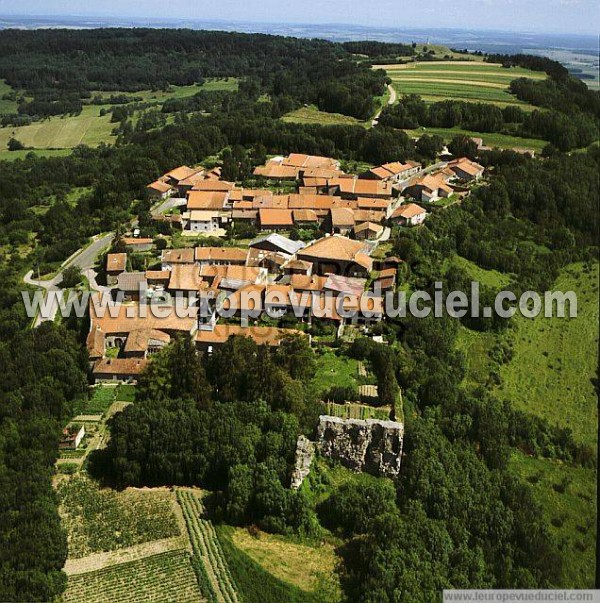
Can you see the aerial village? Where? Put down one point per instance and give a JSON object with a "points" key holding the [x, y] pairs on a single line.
{"points": [[353, 216]]}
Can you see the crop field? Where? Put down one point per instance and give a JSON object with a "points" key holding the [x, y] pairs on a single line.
{"points": [[101, 398], [460, 80], [568, 500], [356, 411], [208, 561], [99, 520], [312, 116], [164, 578]]}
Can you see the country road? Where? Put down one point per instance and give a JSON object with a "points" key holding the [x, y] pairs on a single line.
{"points": [[84, 259], [391, 101]]}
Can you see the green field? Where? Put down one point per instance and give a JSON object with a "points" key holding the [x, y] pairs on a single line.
{"points": [[567, 497], [167, 577], [59, 134], [88, 128], [555, 360], [312, 116], [251, 571], [502, 141], [6, 106], [332, 369], [460, 80], [487, 278]]}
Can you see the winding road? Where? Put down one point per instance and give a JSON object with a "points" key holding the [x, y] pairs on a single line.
{"points": [[84, 259]]}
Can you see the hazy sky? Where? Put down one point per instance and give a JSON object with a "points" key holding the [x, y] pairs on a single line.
{"points": [[564, 16]]}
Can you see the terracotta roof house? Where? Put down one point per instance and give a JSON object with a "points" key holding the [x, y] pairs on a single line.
{"points": [[185, 277], [465, 169], [170, 257], [297, 267], [275, 171], [138, 243], [432, 187], [174, 177], [225, 256], [353, 188], [204, 220], [207, 340], [143, 342], [300, 160], [119, 369], [341, 220], [208, 200], [367, 230], [272, 202], [410, 214], [159, 190], [338, 255], [275, 219], [212, 185], [115, 264], [393, 172], [305, 217]]}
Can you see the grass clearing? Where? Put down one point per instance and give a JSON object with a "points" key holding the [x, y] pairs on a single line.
{"points": [[502, 141], [256, 585], [334, 370], [304, 566], [6, 106], [555, 360], [101, 519], [101, 398], [312, 116], [568, 499], [488, 278], [167, 577], [125, 393]]}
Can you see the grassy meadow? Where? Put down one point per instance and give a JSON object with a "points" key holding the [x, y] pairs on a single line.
{"points": [[58, 135], [555, 360], [567, 496], [312, 116], [550, 374]]}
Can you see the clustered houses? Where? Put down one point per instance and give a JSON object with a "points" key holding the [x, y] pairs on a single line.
{"points": [[290, 277], [220, 288], [444, 182]]}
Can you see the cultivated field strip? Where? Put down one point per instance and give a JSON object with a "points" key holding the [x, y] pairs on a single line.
{"points": [[207, 550], [164, 578]]}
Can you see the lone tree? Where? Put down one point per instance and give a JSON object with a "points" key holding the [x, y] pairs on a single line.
{"points": [[15, 145], [71, 277]]}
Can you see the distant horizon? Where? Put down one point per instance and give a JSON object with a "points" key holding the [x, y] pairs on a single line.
{"points": [[479, 23]]}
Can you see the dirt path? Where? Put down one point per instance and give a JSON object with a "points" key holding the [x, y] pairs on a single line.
{"points": [[98, 561]]}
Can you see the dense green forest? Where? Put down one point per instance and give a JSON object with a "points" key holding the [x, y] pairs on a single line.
{"points": [[59, 68], [457, 517]]}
